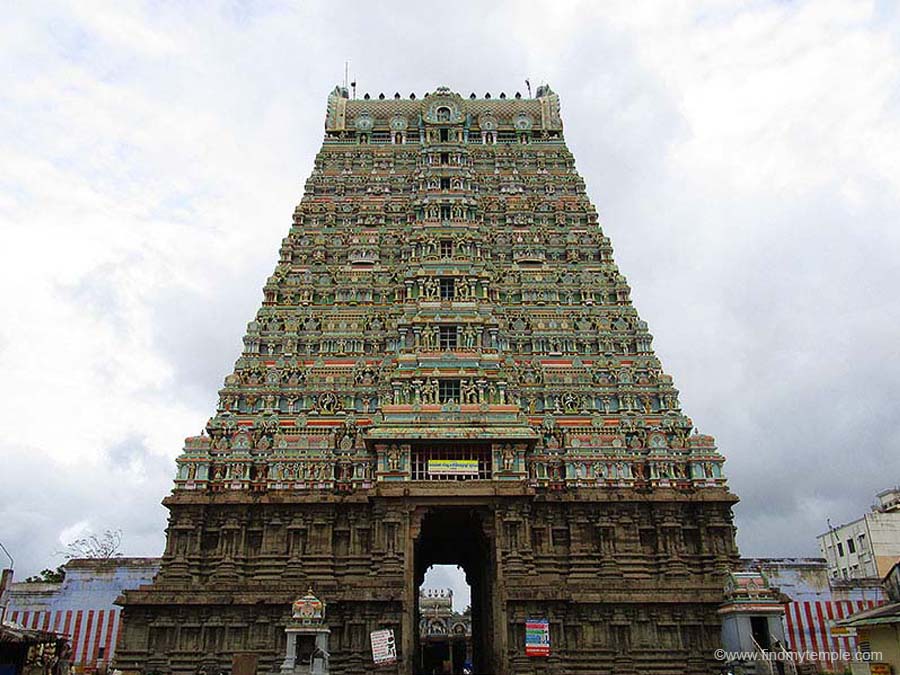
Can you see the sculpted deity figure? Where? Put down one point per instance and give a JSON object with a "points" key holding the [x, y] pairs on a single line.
{"points": [[468, 335], [638, 470], [570, 402], [393, 458], [427, 338], [469, 391], [429, 391], [509, 458], [328, 402]]}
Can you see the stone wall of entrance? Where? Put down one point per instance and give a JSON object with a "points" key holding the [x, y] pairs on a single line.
{"points": [[625, 580]]}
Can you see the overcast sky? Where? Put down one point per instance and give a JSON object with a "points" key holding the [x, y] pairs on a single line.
{"points": [[744, 158]]}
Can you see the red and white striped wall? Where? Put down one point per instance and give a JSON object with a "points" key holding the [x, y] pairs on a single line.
{"points": [[92, 633], [808, 627]]}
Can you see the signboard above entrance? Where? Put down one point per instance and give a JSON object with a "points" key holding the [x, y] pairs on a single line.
{"points": [[453, 467]]}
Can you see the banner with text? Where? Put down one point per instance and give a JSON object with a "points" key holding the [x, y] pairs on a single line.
{"points": [[453, 467]]}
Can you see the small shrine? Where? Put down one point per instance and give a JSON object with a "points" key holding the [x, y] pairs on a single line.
{"points": [[752, 621], [307, 638]]}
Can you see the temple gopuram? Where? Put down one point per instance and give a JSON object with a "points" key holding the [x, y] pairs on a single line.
{"points": [[446, 369], [445, 636]]}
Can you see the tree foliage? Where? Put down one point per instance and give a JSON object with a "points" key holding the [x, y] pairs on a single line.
{"points": [[102, 547], [48, 576]]}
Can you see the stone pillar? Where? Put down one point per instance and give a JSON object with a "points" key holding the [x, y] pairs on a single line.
{"points": [[290, 656]]}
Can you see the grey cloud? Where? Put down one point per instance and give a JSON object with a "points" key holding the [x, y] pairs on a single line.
{"points": [[43, 497], [128, 452], [97, 293], [200, 334]]}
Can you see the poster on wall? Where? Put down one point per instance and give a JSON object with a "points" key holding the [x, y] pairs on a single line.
{"points": [[384, 648], [537, 637]]}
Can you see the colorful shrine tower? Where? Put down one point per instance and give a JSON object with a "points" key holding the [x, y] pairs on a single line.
{"points": [[446, 369]]}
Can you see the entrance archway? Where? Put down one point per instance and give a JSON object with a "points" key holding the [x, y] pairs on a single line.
{"points": [[457, 536]]}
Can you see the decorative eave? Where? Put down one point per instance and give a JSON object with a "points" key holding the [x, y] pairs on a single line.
{"points": [[433, 433]]}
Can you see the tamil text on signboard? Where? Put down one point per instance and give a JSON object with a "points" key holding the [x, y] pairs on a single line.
{"points": [[453, 467]]}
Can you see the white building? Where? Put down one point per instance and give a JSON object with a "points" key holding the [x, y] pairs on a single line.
{"points": [[867, 547]]}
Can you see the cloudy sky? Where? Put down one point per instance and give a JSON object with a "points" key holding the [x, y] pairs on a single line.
{"points": [[744, 158]]}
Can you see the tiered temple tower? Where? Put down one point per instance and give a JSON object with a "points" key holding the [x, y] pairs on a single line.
{"points": [[446, 368]]}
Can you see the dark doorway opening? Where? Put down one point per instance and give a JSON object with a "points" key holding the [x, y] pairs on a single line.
{"points": [[456, 536], [759, 628]]}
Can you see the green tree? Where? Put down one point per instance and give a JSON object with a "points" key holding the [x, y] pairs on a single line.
{"points": [[48, 576]]}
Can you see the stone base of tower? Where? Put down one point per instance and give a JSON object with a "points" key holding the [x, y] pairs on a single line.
{"points": [[629, 581]]}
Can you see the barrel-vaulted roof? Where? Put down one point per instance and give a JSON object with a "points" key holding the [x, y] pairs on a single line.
{"points": [[540, 113]]}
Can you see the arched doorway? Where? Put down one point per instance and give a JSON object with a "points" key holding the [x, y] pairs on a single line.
{"points": [[459, 536]]}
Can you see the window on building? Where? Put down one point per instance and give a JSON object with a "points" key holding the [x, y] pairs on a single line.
{"points": [[851, 547], [448, 390], [445, 158], [840, 548], [446, 248], [445, 212], [445, 183], [447, 336], [448, 289], [423, 455], [445, 135], [443, 114]]}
